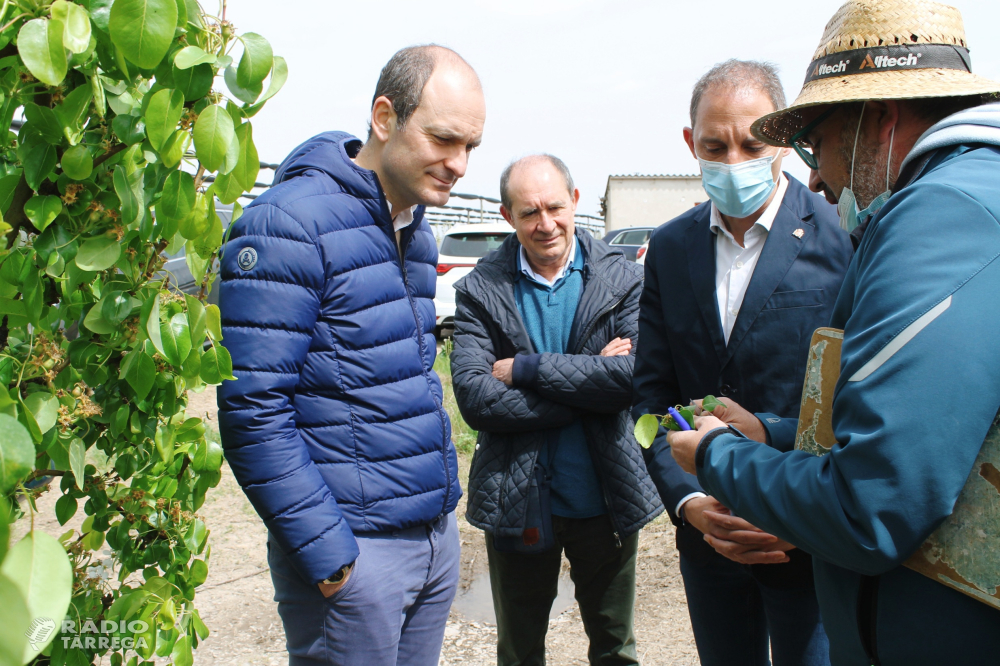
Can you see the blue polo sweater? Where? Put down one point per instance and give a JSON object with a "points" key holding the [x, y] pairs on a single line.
{"points": [[548, 313]]}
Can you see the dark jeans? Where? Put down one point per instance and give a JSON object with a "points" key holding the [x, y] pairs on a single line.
{"points": [[734, 614], [524, 587]]}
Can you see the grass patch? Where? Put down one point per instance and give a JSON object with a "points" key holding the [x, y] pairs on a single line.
{"points": [[462, 435]]}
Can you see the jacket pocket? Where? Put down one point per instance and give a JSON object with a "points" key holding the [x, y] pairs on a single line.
{"points": [[804, 298]]}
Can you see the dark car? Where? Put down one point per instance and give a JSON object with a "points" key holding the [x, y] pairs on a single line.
{"points": [[628, 240], [177, 267]]}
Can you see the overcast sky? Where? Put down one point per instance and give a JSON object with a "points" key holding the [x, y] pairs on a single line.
{"points": [[603, 85]]}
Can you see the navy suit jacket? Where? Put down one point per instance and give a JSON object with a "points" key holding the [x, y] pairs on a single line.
{"points": [[682, 354]]}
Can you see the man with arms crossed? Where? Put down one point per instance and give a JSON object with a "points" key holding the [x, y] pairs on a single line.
{"points": [[913, 145], [335, 428], [543, 369], [734, 289]]}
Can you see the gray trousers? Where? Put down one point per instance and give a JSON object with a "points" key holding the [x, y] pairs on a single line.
{"points": [[392, 610]]}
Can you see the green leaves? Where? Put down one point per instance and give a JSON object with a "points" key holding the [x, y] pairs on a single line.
{"points": [[162, 115], [214, 322], [44, 408], [189, 56], [216, 365], [128, 187], [40, 45], [710, 402], [7, 185], [76, 25], [196, 223], [42, 210], [77, 163], [15, 622], [213, 134], [78, 461], [72, 112], [178, 197], [164, 441], [279, 74], [139, 371], [98, 254], [116, 306], [65, 508], [256, 61], [91, 75], [143, 29], [128, 128], [17, 453], [248, 165], [247, 95], [176, 339], [38, 159], [39, 567], [645, 430]]}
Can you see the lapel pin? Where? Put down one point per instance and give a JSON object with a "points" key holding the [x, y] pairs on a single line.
{"points": [[799, 233]]}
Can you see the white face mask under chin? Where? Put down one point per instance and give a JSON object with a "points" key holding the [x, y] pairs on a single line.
{"points": [[850, 216]]}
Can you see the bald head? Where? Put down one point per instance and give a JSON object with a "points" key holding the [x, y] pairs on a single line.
{"points": [[405, 76], [539, 201], [528, 162]]}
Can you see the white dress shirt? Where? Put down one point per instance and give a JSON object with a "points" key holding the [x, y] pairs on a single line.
{"points": [[526, 267], [403, 218], [734, 266]]}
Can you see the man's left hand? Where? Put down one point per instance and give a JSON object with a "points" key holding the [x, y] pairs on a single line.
{"points": [[504, 371], [684, 444], [741, 542]]}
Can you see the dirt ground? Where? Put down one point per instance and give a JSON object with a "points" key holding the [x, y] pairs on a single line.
{"points": [[237, 604]]}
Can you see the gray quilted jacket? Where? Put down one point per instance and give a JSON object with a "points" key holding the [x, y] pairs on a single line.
{"points": [[580, 385]]}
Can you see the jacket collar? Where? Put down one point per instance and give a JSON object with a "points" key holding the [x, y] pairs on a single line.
{"points": [[331, 153], [491, 285], [793, 227], [780, 250]]}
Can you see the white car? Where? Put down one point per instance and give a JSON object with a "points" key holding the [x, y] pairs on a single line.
{"points": [[640, 255], [461, 248]]}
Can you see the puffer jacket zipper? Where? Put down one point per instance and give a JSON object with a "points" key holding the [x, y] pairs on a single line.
{"points": [[502, 499], [404, 242], [579, 348]]}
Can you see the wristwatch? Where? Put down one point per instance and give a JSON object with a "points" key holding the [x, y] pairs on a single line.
{"points": [[338, 578]]}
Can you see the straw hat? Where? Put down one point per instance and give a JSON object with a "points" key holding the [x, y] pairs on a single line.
{"points": [[882, 49]]}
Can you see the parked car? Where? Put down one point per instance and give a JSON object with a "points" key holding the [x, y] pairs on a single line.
{"points": [[180, 274], [640, 255], [461, 248], [628, 240]]}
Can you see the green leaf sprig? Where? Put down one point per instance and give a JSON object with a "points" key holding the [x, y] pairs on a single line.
{"points": [[648, 425]]}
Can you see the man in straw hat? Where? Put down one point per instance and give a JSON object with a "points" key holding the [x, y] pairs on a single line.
{"points": [[901, 133]]}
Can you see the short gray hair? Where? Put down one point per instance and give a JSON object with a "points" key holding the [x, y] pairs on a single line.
{"points": [[740, 75], [403, 79], [551, 159]]}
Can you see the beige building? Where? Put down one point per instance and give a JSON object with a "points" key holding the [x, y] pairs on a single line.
{"points": [[648, 201]]}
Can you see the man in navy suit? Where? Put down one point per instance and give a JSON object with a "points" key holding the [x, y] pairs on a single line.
{"points": [[733, 290]]}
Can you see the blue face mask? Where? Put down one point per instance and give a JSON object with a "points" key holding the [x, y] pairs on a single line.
{"points": [[738, 190]]}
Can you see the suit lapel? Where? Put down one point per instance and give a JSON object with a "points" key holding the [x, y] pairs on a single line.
{"points": [[781, 248], [700, 253]]}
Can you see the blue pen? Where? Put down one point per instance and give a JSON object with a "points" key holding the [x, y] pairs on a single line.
{"points": [[678, 419]]}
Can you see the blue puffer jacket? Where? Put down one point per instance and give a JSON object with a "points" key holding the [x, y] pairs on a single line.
{"points": [[335, 424]]}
